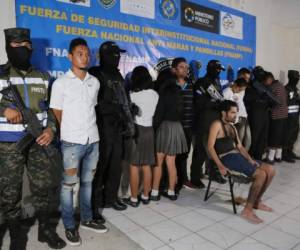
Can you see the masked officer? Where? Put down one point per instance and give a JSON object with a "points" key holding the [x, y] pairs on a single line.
{"points": [[114, 122], [207, 96], [258, 104], [292, 123], [32, 86]]}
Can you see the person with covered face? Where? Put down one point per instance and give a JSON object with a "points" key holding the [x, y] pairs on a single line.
{"points": [[258, 105], [114, 123], [279, 115], [207, 96], [32, 85], [292, 123]]}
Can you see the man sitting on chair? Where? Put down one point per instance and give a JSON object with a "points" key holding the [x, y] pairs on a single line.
{"points": [[228, 153]]}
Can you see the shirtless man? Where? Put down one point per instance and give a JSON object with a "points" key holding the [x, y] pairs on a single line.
{"points": [[228, 153]]}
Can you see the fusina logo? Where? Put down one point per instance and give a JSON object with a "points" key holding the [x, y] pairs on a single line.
{"points": [[107, 4], [189, 14], [227, 22], [168, 9]]}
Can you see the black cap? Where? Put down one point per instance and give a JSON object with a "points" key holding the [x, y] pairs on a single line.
{"points": [[215, 64], [110, 47], [17, 35], [293, 74]]}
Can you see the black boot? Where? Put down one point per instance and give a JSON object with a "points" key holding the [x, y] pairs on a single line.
{"points": [[18, 236], [47, 233], [294, 156]]}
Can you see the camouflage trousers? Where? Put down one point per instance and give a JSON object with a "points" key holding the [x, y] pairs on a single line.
{"points": [[44, 192]]}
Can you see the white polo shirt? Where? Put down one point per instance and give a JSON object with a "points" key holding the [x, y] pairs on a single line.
{"points": [[77, 100]]}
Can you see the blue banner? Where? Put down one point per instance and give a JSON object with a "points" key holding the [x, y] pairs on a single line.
{"points": [[147, 29]]}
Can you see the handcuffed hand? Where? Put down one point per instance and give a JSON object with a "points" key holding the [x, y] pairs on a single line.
{"points": [[45, 138]]}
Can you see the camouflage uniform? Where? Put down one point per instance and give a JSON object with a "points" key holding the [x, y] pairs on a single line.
{"points": [[12, 163], [32, 86]]}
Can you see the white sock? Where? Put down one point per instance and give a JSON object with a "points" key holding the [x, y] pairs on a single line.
{"points": [[133, 199], [278, 153], [171, 192], [271, 154], [144, 197], [154, 192]]}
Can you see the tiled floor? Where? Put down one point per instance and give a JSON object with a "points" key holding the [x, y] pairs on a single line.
{"points": [[191, 223]]}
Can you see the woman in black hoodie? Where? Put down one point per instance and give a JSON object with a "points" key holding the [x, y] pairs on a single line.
{"points": [[170, 139]]}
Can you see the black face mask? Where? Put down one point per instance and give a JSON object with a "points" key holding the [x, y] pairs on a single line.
{"points": [[213, 72], [19, 57], [110, 60], [259, 74], [293, 81]]}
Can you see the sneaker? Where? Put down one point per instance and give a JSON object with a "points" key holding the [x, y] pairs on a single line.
{"points": [[94, 226], [189, 185], [73, 237], [198, 184]]}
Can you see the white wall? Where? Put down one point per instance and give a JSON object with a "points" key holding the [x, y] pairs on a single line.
{"points": [[7, 20], [278, 35], [278, 32]]}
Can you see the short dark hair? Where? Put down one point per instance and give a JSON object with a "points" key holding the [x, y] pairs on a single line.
{"points": [[177, 60], [76, 42], [268, 75], [226, 105], [241, 82], [242, 71], [141, 79]]}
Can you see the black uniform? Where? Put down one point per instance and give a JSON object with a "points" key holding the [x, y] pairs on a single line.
{"points": [[292, 123], [258, 106], [207, 94], [113, 123]]}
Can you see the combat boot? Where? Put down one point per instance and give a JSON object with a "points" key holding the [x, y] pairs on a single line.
{"points": [[47, 233]]}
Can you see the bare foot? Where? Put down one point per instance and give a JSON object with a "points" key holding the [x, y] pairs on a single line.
{"points": [[263, 207], [239, 200], [251, 217]]}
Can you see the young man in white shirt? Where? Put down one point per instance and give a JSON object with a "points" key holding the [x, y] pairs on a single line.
{"points": [[236, 92], [73, 100]]}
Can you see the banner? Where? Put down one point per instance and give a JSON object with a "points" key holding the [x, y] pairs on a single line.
{"points": [[148, 29]]}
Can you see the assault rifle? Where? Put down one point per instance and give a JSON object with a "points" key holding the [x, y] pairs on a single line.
{"points": [[264, 90], [33, 127]]}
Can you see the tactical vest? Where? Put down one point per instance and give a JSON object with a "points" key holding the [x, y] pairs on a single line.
{"points": [[33, 88], [293, 101]]}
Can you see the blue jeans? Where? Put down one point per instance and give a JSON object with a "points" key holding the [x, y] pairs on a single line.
{"points": [[84, 159]]}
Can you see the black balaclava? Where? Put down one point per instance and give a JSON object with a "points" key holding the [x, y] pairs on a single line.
{"points": [[293, 76], [110, 60], [19, 57], [214, 69], [110, 54], [258, 74]]}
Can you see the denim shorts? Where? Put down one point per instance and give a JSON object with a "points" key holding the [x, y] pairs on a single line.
{"points": [[237, 162]]}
